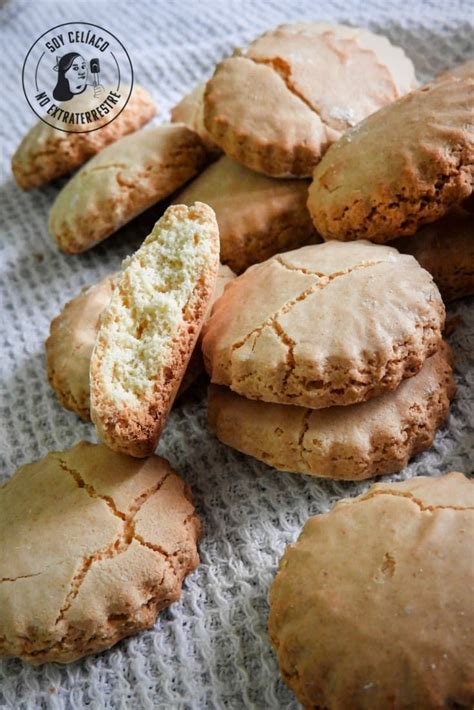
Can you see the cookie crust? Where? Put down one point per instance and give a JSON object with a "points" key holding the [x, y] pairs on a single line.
{"points": [[348, 443], [106, 545], [406, 165], [324, 325], [372, 607], [45, 153]]}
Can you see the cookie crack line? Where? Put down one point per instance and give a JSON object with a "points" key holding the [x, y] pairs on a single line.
{"points": [[21, 576], [282, 69], [424, 508], [120, 544], [317, 286]]}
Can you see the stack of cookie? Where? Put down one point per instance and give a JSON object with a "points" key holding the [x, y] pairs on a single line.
{"points": [[329, 360]]}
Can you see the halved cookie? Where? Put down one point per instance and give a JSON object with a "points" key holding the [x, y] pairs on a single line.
{"points": [[94, 546], [277, 105], [372, 606], [405, 166], [72, 336], [258, 216], [350, 443], [329, 324], [149, 329], [121, 182], [46, 153], [445, 249]]}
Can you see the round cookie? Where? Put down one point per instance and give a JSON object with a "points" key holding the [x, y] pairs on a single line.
{"points": [[190, 111], [324, 325], [372, 607], [72, 337], [277, 105], [94, 545], [445, 249], [257, 216], [350, 443], [46, 153], [408, 164]]}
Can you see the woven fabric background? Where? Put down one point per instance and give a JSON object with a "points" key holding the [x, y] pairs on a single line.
{"points": [[211, 649]]}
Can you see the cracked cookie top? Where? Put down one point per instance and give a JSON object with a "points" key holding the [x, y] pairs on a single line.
{"points": [[323, 325], [278, 105], [121, 182], [406, 165], [372, 607], [106, 544]]}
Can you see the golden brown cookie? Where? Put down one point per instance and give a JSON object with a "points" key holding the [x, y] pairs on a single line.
{"points": [[408, 164], [277, 105], [70, 343], [72, 337], [257, 216], [372, 607], [94, 545], [190, 111], [150, 327], [121, 182], [445, 249], [351, 443], [461, 71], [329, 324], [46, 153]]}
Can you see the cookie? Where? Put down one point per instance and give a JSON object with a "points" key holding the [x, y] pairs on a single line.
{"points": [[46, 153], [72, 337], [190, 111], [329, 324], [121, 182], [461, 71], [351, 443], [445, 249], [277, 105], [258, 216], [407, 165], [150, 327], [70, 344], [372, 606], [94, 545]]}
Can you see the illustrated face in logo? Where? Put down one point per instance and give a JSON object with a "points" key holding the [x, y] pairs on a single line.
{"points": [[72, 76]]}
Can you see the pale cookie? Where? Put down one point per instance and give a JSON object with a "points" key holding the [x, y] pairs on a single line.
{"points": [[72, 337], [324, 325], [257, 216], [278, 105], [121, 182], [406, 165], [46, 153], [94, 545], [445, 249], [190, 111], [352, 443], [372, 606], [150, 327]]}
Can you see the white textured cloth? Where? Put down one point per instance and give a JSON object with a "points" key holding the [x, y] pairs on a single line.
{"points": [[211, 649]]}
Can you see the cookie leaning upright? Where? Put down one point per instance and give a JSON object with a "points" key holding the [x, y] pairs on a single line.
{"points": [[121, 182], [277, 105], [406, 165], [150, 327], [334, 323]]}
